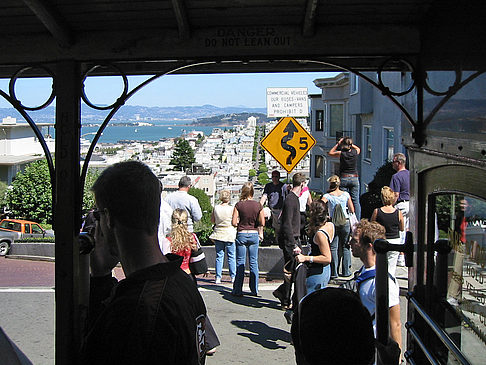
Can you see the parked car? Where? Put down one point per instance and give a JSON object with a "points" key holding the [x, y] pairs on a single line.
{"points": [[6, 240], [24, 229]]}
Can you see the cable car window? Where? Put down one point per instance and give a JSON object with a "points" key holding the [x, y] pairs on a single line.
{"points": [[463, 112], [462, 220]]}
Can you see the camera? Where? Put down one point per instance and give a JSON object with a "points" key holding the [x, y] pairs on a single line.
{"points": [[86, 238], [86, 242]]}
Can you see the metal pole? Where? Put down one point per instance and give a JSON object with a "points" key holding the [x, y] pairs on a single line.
{"points": [[381, 282], [67, 212], [443, 248]]}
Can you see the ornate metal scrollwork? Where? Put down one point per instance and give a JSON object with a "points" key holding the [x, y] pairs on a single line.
{"points": [[115, 106], [11, 97], [397, 61]]}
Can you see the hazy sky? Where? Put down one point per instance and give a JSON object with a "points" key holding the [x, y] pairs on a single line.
{"points": [[176, 90]]}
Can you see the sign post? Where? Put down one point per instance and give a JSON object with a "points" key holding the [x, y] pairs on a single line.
{"points": [[288, 142]]}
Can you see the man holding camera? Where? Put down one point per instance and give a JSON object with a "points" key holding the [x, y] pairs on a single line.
{"points": [[156, 314]]}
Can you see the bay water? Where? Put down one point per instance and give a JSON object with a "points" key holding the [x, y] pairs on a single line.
{"points": [[113, 134]]}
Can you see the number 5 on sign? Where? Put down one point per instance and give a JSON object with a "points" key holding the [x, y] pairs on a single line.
{"points": [[288, 142]]}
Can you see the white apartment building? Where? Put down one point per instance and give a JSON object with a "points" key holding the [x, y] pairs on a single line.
{"points": [[19, 146]]}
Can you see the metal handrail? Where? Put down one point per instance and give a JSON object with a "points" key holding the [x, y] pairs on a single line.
{"points": [[422, 346], [441, 334]]}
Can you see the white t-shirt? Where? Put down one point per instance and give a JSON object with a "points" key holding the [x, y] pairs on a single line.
{"points": [[165, 225], [367, 293], [304, 196]]}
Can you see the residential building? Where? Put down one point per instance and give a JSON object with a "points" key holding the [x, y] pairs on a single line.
{"points": [[350, 106], [19, 146]]}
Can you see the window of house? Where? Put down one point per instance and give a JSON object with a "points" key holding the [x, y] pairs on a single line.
{"points": [[319, 120], [367, 142], [336, 119], [318, 166], [388, 144], [354, 84]]}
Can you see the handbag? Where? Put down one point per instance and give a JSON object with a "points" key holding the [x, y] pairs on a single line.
{"points": [[353, 220], [197, 261]]}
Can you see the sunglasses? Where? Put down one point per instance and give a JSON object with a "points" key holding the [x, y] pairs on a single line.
{"points": [[97, 214]]}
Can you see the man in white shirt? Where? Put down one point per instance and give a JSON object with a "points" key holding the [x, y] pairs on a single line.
{"points": [[180, 199], [165, 224], [362, 240]]}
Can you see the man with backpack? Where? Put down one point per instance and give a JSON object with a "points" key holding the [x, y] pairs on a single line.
{"points": [[362, 240], [289, 238]]}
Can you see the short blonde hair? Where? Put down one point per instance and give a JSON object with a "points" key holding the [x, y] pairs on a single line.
{"points": [[247, 190], [225, 196], [387, 195]]}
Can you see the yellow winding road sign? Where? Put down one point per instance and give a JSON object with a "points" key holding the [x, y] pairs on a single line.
{"points": [[288, 142]]}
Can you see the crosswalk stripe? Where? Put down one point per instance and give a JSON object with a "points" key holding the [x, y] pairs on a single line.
{"points": [[27, 290]]}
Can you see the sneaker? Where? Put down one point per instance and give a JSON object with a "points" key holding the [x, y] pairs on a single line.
{"points": [[289, 314], [401, 260], [232, 279], [217, 281]]}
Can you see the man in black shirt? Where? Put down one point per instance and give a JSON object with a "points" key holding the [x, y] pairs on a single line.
{"points": [[156, 314], [289, 236], [273, 193]]}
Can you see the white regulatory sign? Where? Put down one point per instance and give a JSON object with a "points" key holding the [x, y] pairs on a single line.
{"points": [[287, 102]]}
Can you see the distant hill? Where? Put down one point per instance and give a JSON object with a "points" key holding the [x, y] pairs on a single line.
{"points": [[180, 114], [224, 120]]}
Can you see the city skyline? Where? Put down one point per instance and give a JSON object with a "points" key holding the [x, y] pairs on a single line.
{"points": [[221, 90]]}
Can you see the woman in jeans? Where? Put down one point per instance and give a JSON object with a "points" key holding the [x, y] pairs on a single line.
{"points": [[319, 258], [248, 218], [224, 235], [339, 245], [348, 154]]}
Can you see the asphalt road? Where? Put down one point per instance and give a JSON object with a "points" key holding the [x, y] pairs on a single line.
{"points": [[251, 330]]}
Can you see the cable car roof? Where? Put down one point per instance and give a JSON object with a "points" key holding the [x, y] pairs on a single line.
{"points": [[149, 35]]}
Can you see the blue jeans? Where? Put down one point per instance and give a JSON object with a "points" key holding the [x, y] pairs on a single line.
{"points": [[246, 241], [351, 185], [230, 250], [319, 281], [340, 250]]}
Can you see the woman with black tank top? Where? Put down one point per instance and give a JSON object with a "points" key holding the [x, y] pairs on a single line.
{"points": [[319, 259], [392, 219], [348, 154]]}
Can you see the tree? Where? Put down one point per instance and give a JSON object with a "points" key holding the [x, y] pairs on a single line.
{"points": [[372, 199], [252, 173], [204, 226], [183, 156], [88, 196], [30, 196], [3, 195], [263, 167], [263, 178]]}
